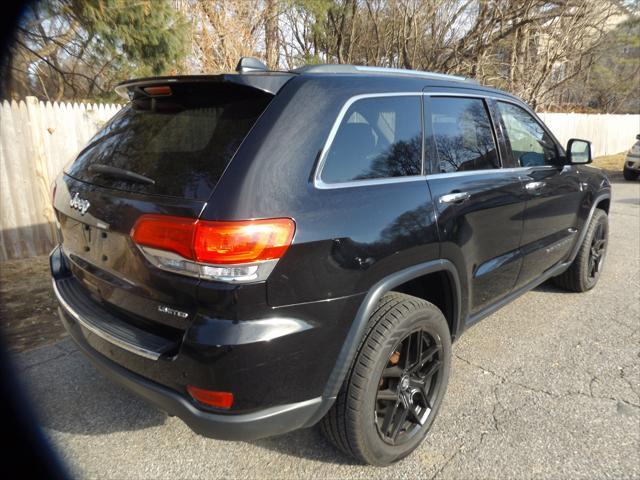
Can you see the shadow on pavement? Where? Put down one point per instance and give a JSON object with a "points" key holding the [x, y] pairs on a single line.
{"points": [[73, 397], [308, 444], [550, 287]]}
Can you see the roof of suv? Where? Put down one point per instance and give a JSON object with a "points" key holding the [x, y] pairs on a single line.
{"points": [[271, 81], [366, 70]]}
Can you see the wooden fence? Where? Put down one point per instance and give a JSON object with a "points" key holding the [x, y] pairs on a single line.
{"points": [[38, 139], [608, 133]]}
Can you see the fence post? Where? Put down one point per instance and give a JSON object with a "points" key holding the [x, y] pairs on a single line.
{"points": [[40, 162]]}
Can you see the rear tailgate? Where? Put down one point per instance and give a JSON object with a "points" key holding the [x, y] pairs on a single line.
{"points": [[105, 261], [179, 144]]}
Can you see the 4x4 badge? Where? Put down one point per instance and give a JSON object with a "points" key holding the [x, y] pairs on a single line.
{"points": [[79, 204]]}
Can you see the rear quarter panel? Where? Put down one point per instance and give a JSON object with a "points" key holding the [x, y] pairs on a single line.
{"points": [[346, 238]]}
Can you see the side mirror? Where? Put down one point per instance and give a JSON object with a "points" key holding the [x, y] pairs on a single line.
{"points": [[578, 151]]}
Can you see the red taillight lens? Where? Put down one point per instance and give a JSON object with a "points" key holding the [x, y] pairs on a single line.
{"points": [[242, 242], [216, 242], [211, 398], [173, 234]]}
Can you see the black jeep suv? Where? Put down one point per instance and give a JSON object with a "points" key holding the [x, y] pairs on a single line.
{"points": [[260, 251]]}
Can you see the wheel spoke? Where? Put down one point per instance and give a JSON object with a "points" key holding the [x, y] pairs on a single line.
{"points": [[392, 372], [398, 423], [388, 418], [597, 235], [408, 357], [592, 266], [387, 395], [415, 412], [418, 383], [433, 368], [426, 356]]}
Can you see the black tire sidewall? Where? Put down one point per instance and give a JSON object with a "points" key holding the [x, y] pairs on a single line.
{"points": [[374, 448], [599, 218], [630, 174]]}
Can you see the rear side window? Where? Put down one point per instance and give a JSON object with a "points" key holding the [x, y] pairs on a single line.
{"points": [[531, 145], [462, 136], [182, 142], [377, 138]]}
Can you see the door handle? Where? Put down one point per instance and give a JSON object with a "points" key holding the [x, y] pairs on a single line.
{"points": [[458, 197], [534, 186]]}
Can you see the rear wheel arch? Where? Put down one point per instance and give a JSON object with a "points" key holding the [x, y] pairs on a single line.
{"points": [[438, 288], [398, 280]]}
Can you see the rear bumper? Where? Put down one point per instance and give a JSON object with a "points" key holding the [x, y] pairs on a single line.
{"points": [[275, 369], [250, 426]]}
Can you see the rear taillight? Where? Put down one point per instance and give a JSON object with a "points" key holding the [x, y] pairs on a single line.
{"points": [[242, 242], [238, 251], [171, 234]]}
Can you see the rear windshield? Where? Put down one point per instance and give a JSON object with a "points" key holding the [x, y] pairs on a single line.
{"points": [[182, 142]]}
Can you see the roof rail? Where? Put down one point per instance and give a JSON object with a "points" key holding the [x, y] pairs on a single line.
{"points": [[343, 68]]}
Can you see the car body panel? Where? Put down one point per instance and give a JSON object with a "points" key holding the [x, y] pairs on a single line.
{"points": [[632, 160]]}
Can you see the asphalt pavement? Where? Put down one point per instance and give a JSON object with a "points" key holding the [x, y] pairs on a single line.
{"points": [[547, 387]]}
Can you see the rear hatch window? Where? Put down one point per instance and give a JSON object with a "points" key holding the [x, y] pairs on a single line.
{"points": [[179, 144]]}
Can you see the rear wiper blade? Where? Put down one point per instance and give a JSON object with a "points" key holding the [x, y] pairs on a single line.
{"points": [[121, 173]]}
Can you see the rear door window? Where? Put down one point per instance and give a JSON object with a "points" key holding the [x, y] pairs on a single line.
{"points": [[377, 138], [182, 142], [461, 134]]}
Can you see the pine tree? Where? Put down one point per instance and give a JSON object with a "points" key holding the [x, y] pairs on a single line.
{"points": [[79, 49]]}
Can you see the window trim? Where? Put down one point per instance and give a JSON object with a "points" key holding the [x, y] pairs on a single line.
{"points": [[434, 162], [560, 153], [322, 157], [324, 153]]}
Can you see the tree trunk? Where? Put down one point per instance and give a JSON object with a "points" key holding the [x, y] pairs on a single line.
{"points": [[271, 34]]}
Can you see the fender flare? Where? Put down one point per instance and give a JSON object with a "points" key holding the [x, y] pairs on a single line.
{"points": [[361, 320], [585, 226]]}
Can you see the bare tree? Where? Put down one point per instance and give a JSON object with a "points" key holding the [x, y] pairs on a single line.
{"points": [[536, 49]]}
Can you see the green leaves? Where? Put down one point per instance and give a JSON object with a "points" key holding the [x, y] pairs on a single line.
{"points": [[79, 49]]}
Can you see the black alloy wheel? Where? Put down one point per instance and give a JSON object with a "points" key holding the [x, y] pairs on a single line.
{"points": [[395, 387], [597, 251], [408, 387], [585, 270]]}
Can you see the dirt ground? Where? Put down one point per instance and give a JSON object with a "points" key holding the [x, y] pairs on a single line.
{"points": [[28, 310]]}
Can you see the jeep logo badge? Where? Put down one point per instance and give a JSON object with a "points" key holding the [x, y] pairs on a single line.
{"points": [[79, 204]]}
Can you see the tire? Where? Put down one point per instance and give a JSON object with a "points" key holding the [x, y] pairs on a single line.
{"points": [[356, 422], [630, 174], [581, 276]]}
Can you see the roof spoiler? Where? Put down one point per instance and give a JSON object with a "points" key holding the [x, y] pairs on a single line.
{"points": [[268, 82]]}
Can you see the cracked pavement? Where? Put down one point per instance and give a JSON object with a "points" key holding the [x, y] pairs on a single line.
{"points": [[547, 387]]}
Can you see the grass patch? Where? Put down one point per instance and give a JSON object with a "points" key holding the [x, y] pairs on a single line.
{"points": [[610, 163]]}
